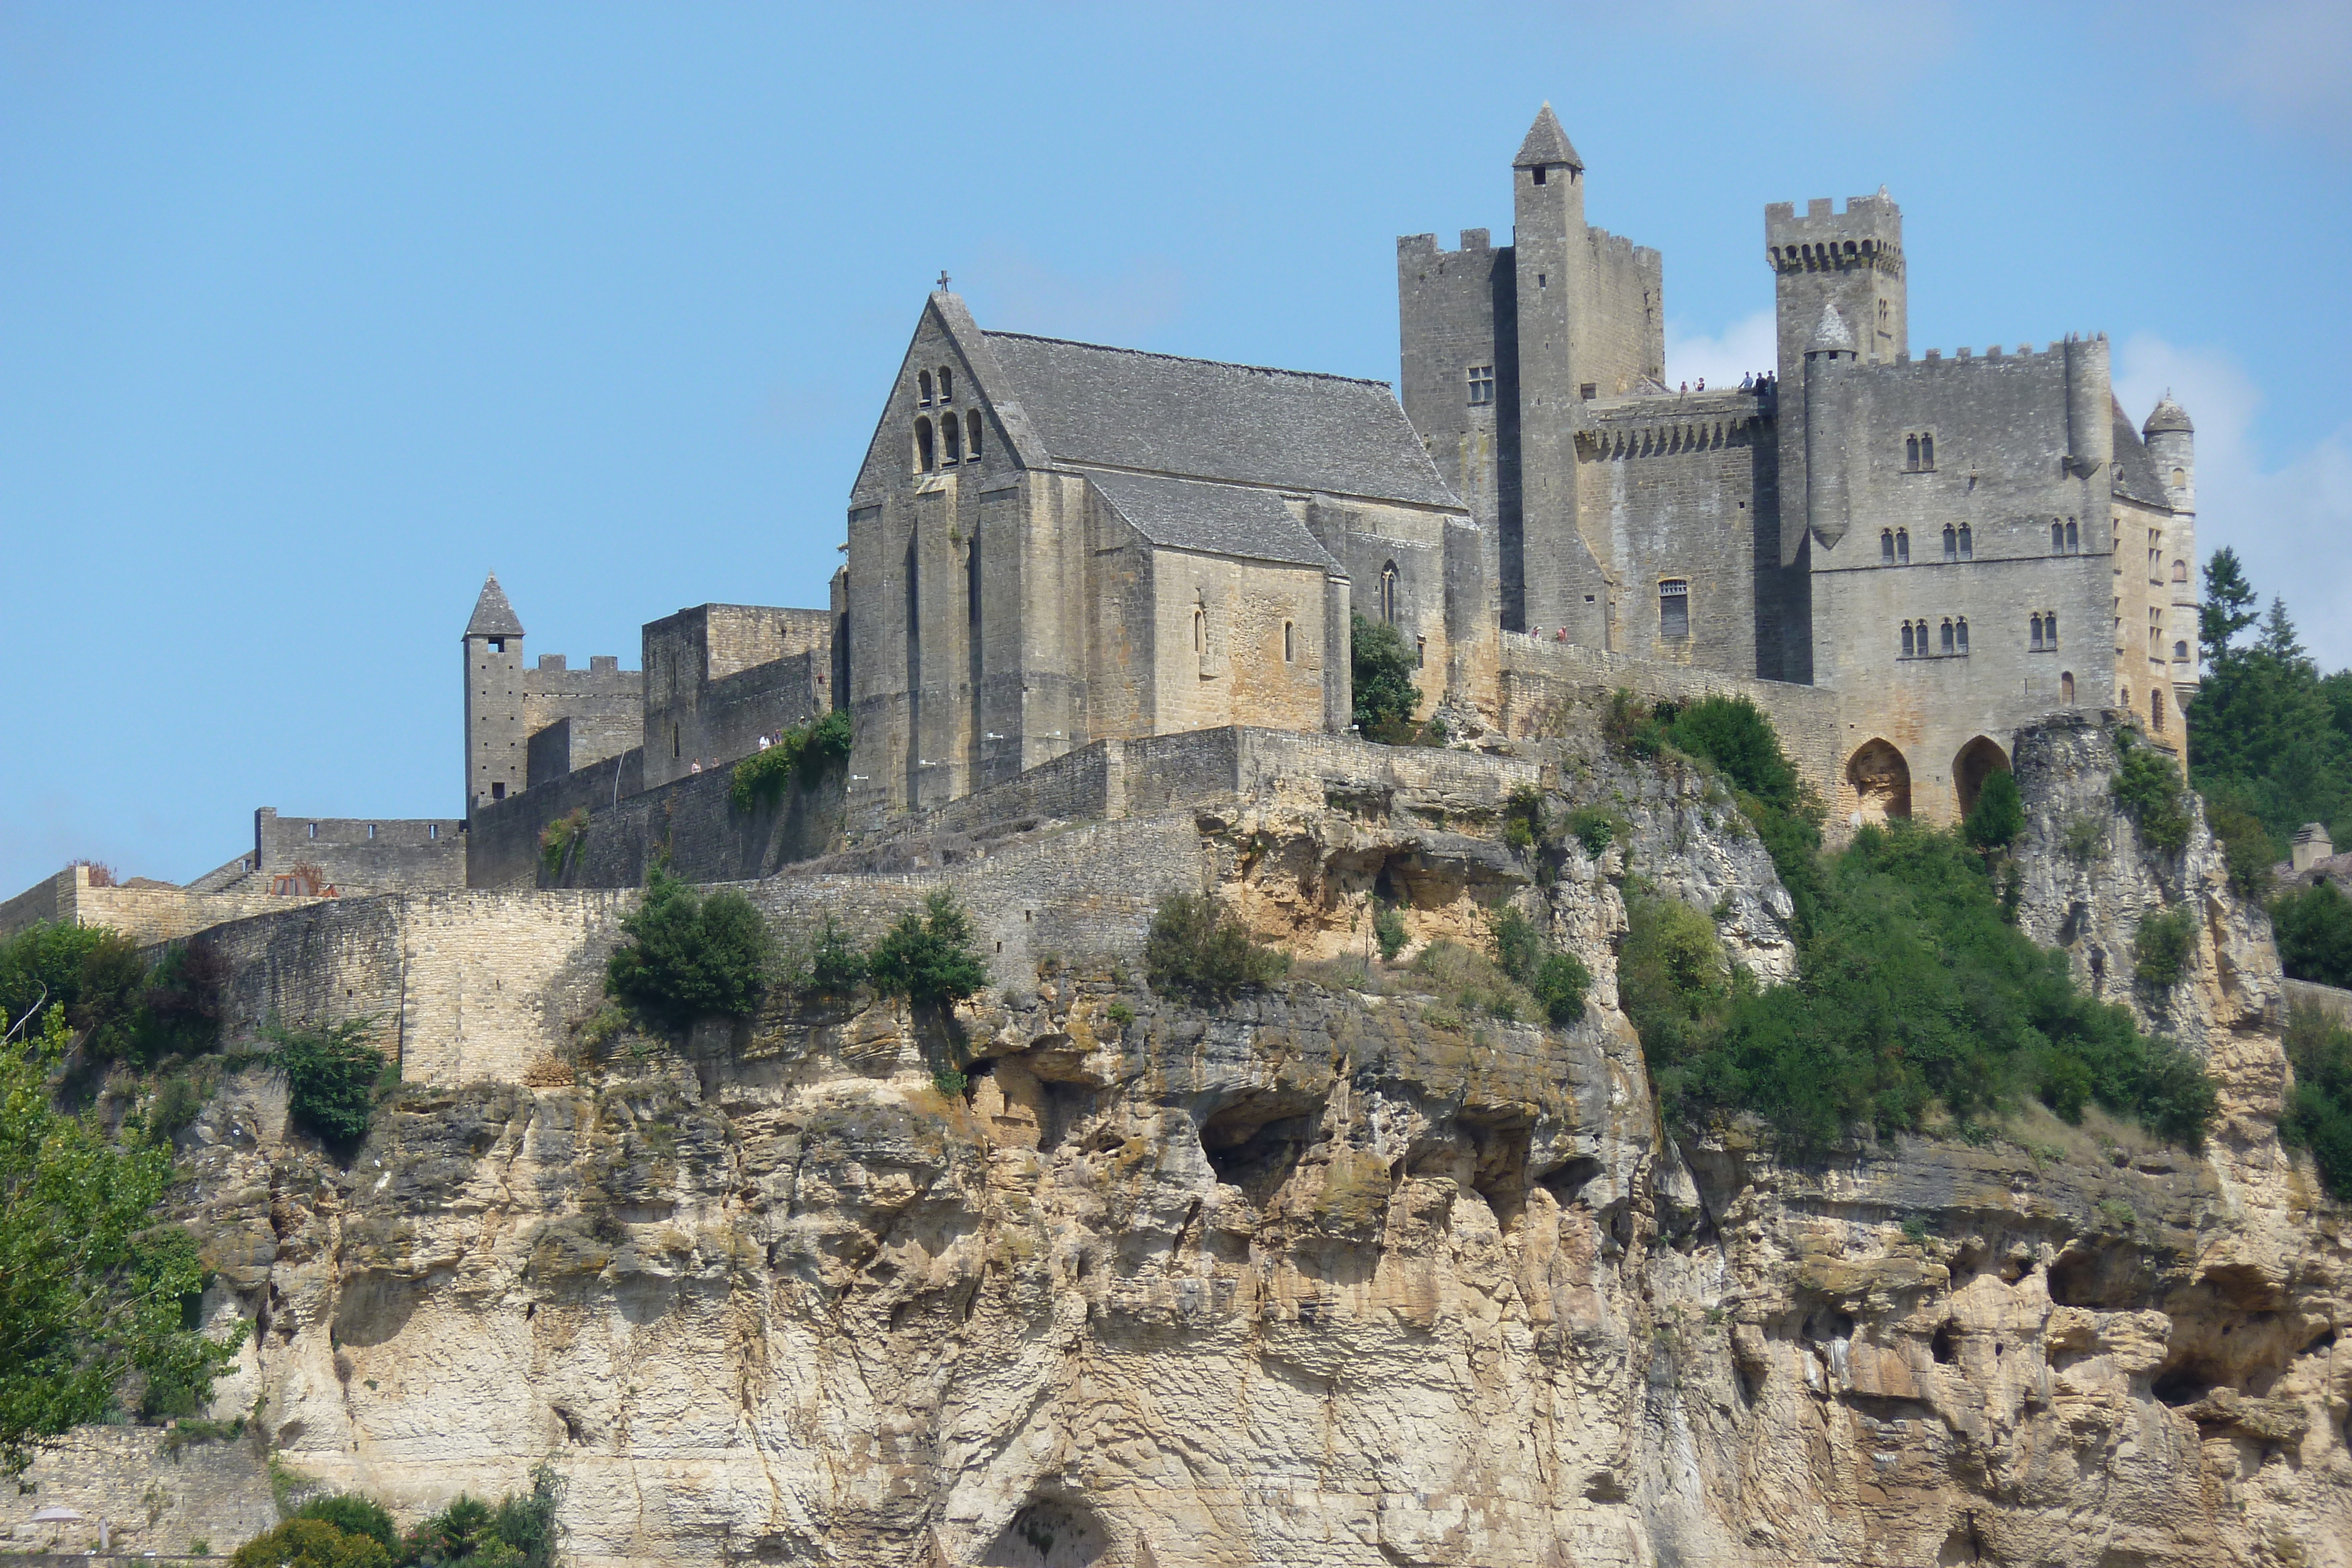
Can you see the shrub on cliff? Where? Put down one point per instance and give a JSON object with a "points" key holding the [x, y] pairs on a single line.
{"points": [[2148, 786], [2162, 948], [353, 1513], [2319, 1112], [1999, 815], [311, 1543], [520, 1532], [1915, 1002], [95, 1294], [931, 957], [332, 1074], [2315, 934], [1199, 947], [689, 956]]}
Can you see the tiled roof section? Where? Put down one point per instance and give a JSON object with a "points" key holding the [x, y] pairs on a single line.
{"points": [[493, 616], [2136, 473], [1547, 143], [1121, 408], [1215, 519]]}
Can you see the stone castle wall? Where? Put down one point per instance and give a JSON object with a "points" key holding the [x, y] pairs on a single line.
{"points": [[363, 854], [145, 914]]}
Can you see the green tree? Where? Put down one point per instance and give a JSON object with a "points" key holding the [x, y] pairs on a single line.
{"points": [[1561, 982], [2313, 928], [1382, 667], [2228, 607], [311, 1543], [689, 956], [931, 957], [1733, 735], [353, 1513], [2319, 1112], [836, 963], [1999, 815], [93, 1292]]}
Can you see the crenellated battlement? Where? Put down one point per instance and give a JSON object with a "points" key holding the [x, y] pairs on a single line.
{"points": [[1867, 234], [1424, 248]]}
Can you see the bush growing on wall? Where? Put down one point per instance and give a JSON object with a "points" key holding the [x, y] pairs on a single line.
{"points": [[931, 957], [689, 956], [332, 1074], [801, 753], [1381, 665]]}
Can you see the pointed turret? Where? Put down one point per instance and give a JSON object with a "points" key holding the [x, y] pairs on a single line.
{"points": [[493, 616], [1547, 145], [2167, 415], [1831, 333]]}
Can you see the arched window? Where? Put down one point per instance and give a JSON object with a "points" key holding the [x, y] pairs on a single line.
{"points": [[1968, 543], [1911, 453], [923, 381], [2180, 478], [2180, 653], [1951, 542], [2057, 537], [924, 459], [1674, 610], [1960, 628], [2156, 709], [1903, 547], [1907, 640], [2180, 571], [947, 384], [1200, 629], [2066, 687], [971, 436], [1887, 547], [1286, 649], [952, 436], [1927, 452], [1944, 642], [2035, 623], [2050, 627], [2072, 540], [1389, 593]]}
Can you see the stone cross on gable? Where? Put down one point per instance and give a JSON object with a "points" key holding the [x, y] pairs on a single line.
{"points": [[943, 280]]}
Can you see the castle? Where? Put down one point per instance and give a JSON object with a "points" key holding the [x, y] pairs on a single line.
{"points": [[1055, 545], [1051, 544]]}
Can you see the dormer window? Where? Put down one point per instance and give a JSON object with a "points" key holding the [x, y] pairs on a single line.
{"points": [[923, 389]]}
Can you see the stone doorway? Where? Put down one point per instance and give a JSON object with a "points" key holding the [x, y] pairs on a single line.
{"points": [[1881, 782], [1976, 761]]}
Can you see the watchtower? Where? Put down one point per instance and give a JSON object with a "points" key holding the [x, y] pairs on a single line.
{"points": [[497, 763]]}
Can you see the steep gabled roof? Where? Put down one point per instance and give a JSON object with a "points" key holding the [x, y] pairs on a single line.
{"points": [[1095, 406], [1215, 519], [2136, 475], [1547, 143], [493, 616]]}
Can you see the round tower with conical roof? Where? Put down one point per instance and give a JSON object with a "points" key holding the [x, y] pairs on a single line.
{"points": [[497, 762], [1830, 358]]}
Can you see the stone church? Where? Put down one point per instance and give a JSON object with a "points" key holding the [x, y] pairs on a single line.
{"points": [[1054, 543]]}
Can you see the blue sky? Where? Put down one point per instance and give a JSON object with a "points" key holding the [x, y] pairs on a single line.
{"points": [[310, 315]]}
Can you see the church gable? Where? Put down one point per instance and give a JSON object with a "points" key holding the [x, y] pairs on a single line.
{"points": [[944, 411]]}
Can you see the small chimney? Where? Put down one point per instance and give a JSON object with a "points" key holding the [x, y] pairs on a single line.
{"points": [[2311, 844]]}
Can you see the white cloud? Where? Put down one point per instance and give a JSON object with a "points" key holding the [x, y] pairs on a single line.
{"points": [[1840, 40], [2290, 523], [1746, 346], [2286, 62]]}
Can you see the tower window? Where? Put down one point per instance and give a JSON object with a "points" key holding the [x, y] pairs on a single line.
{"points": [[498, 644], [371, 829], [2180, 478], [1419, 652], [2057, 537], [314, 829], [1903, 547], [1968, 543], [2034, 622], [1389, 593], [1201, 630], [1945, 641], [2050, 628], [1960, 630], [1538, 174], [1288, 651], [2073, 538], [2066, 687], [923, 389], [1887, 547], [432, 830], [924, 461], [497, 791], [1586, 392], [971, 436], [1911, 454], [2180, 653], [1482, 384], [2180, 571], [1951, 542], [1674, 610], [951, 437], [947, 384], [2156, 709], [1908, 652], [1927, 452]]}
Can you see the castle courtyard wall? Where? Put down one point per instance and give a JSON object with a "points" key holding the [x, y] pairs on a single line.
{"points": [[146, 915]]}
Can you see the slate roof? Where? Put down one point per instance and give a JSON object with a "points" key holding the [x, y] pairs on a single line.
{"points": [[2167, 415], [493, 616], [2136, 473], [1831, 332], [1094, 406], [1546, 143], [1215, 519]]}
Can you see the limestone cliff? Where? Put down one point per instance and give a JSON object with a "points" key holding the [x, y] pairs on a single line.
{"points": [[1338, 1273]]}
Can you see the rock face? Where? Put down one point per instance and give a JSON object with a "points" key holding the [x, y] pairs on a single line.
{"points": [[1336, 1273]]}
